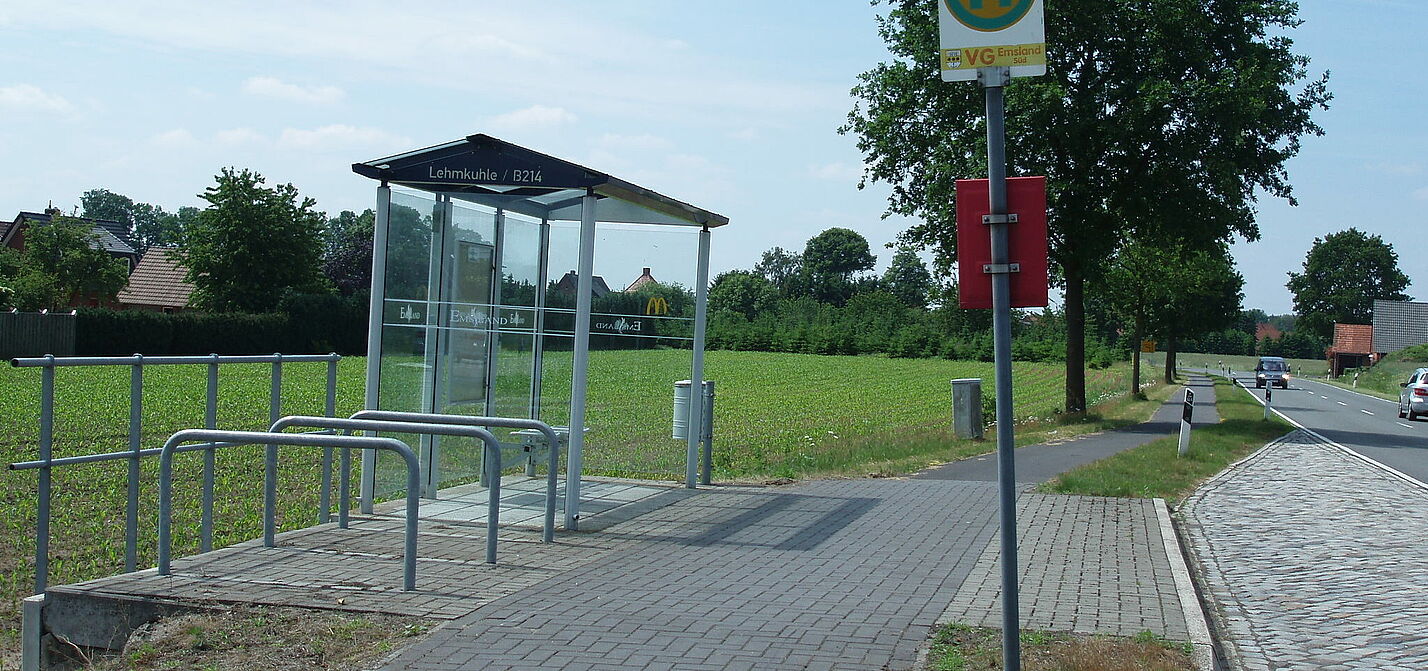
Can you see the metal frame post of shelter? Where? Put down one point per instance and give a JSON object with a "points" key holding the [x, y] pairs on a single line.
{"points": [[447, 296]]}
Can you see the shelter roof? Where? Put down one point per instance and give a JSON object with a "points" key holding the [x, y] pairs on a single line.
{"points": [[158, 280], [492, 172], [1353, 338]]}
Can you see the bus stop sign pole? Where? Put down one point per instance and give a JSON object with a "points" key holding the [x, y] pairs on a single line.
{"points": [[997, 221]]}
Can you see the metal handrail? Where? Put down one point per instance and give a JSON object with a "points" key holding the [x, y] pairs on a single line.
{"points": [[171, 446], [137, 362], [548, 533], [492, 465], [50, 361]]}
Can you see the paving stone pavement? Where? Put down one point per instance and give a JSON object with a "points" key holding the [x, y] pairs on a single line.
{"points": [[1314, 560], [1087, 564], [840, 574], [827, 575]]}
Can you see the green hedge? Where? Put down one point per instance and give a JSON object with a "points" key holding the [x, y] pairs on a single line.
{"points": [[305, 324]]}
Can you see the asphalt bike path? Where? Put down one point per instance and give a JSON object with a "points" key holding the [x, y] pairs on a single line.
{"points": [[1042, 462]]}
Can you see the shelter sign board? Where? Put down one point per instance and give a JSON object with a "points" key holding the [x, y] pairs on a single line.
{"points": [[1026, 198], [991, 33]]}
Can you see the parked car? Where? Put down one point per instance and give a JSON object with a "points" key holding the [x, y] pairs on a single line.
{"points": [[1271, 370], [1413, 398]]}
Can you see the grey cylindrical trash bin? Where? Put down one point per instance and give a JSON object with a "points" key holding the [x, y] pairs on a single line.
{"points": [[681, 410], [967, 407]]}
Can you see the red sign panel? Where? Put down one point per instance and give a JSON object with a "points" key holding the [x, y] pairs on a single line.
{"points": [[1026, 198]]}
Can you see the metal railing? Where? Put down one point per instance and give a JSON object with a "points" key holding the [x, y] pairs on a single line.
{"points": [[217, 439], [552, 441], [491, 463], [46, 462]]}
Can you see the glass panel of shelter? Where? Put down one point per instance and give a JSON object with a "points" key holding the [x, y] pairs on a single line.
{"points": [[460, 337]]}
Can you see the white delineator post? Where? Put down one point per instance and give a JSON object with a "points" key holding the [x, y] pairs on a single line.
{"points": [[1185, 421]]}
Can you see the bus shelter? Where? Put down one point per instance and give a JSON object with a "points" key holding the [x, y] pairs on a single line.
{"points": [[489, 298]]}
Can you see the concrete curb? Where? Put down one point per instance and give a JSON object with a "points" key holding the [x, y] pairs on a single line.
{"points": [[1203, 652]]}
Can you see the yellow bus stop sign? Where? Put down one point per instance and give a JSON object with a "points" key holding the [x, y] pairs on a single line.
{"points": [[991, 33]]}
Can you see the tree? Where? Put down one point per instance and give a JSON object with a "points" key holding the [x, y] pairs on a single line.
{"points": [[744, 292], [347, 258], [779, 266], [908, 279], [252, 244], [62, 263], [838, 252], [1136, 287], [1343, 274], [1205, 294], [1165, 118], [148, 225]]}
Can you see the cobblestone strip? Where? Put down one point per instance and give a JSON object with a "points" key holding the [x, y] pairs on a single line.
{"points": [[1314, 560], [1088, 565]]}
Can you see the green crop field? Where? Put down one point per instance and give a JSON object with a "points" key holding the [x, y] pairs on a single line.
{"points": [[778, 415]]}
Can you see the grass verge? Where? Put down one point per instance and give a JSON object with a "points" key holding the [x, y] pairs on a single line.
{"points": [[257, 637], [1154, 470], [958, 647]]}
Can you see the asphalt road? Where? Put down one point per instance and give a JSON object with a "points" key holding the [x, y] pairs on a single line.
{"points": [[1365, 424]]}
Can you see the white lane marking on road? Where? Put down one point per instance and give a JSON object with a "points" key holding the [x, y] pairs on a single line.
{"points": [[1341, 402], [1323, 396], [1347, 451], [1406, 426], [1365, 411]]}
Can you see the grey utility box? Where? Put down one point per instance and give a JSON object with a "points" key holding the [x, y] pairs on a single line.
{"points": [[967, 407]]}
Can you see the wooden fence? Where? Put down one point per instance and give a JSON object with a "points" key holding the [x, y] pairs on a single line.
{"points": [[36, 334]]}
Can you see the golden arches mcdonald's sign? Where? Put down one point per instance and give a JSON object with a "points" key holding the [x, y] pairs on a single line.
{"points": [[657, 306]]}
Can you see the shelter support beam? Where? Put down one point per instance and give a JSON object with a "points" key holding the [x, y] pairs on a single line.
{"points": [[367, 488], [579, 376], [696, 375]]}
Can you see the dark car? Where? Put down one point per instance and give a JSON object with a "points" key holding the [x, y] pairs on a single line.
{"points": [[1271, 370]]}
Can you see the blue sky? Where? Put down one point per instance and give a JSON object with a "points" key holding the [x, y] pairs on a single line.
{"points": [[731, 106]]}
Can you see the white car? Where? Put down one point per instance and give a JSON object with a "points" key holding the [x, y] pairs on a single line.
{"points": [[1413, 398]]}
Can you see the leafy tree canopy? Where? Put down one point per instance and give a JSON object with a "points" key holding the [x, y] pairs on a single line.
{"points": [[148, 225], [347, 257], [252, 244], [62, 262], [837, 252], [779, 266], [1343, 273], [1162, 117], [743, 292], [907, 278]]}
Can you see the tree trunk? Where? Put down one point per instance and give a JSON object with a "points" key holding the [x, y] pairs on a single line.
{"points": [[1135, 358], [1075, 338], [1170, 359]]}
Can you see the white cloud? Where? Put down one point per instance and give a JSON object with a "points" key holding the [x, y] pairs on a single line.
{"points": [[836, 171], [626, 143], [239, 137], [341, 136], [177, 138], [272, 87], [1421, 194], [31, 97], [535, 116]]}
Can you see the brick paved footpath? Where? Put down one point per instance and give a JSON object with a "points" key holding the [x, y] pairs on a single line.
{"points": [[848, 574], [1314, 560]]}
